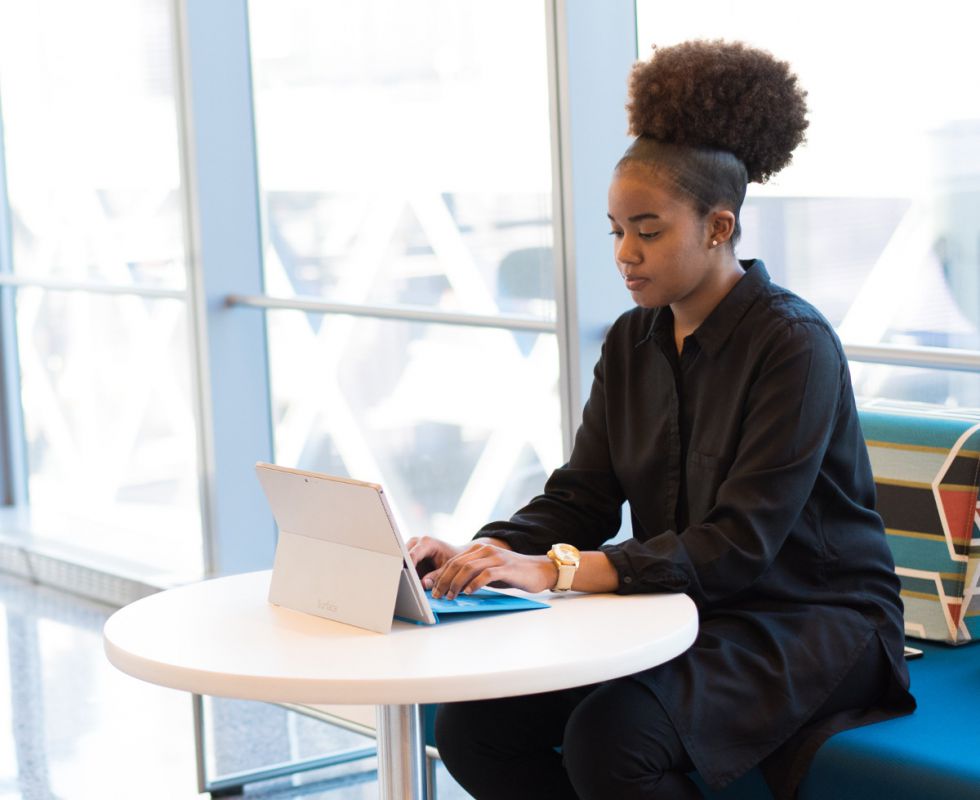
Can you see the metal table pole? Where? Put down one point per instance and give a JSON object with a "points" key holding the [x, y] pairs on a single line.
{"points": [[401, 753]]}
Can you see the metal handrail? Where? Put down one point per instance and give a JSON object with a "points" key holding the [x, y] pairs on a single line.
{"points": [[945, 358], [60, 285], [404, 313]]}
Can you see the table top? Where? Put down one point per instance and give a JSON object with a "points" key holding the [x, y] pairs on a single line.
{"points": [[222, 637]]}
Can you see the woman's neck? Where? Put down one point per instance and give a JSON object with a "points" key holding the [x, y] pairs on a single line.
{"points": [[694, 309]]}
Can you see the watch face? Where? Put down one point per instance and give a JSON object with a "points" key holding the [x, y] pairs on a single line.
{"points": [[566, 553]]}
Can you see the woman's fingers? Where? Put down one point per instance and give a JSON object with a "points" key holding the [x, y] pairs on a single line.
{"points": [[471, 570], [479, 565], [462, 571], [469, 577], [423, 547]]}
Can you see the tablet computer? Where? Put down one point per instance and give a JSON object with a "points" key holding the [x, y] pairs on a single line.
{"points": [[340, 555]]}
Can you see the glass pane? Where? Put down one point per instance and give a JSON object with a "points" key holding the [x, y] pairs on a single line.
{"points": [[877, 221], [402, 158], [461, 425], [110, 426], [881, 384], [91, 140]]}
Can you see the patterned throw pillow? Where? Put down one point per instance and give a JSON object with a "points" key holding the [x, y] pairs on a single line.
{"points": [[926, 463]]}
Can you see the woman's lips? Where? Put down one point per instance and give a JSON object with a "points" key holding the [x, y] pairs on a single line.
{"points": [[635, 283]]}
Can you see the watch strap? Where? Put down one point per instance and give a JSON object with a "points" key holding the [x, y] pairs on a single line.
{"points": [[566, 574]]}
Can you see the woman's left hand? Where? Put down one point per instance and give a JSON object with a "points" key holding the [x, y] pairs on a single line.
{"points": [[482, 563]]}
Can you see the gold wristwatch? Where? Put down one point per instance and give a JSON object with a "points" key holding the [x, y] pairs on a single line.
{"points": [[567, 559]]}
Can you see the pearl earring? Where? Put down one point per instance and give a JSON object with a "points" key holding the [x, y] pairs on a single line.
{"points": [[714, 242]]}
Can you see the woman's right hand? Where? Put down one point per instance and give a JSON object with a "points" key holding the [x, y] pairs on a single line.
{"points": [[434, 552]]}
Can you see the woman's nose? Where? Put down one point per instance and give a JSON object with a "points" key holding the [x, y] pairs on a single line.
{"points": [[628, 252]]}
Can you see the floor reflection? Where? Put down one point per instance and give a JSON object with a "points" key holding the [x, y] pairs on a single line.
{"points": [[75, 728]]}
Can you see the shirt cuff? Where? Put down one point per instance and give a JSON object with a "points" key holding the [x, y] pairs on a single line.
{"points": [[519, 542], [644, 574]]}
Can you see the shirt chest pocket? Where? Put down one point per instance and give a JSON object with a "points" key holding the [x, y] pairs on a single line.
{"points": [[704, 474]]}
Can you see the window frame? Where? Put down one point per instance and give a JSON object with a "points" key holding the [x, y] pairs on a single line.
{"points": [[13, 446]]}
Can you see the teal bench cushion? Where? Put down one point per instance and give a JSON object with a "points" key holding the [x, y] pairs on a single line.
{"points": [[933, 754]]}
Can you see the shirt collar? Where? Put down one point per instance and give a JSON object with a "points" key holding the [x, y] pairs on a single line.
{"points": [[717, 327]]}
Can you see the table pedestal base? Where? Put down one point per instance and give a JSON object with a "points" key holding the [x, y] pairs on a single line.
{"points": [[401, 753]]}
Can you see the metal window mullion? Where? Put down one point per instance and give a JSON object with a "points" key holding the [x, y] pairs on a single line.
{"points": [[563, 260], [197, 328], [225, 257], [595, 47], [13, 440]]}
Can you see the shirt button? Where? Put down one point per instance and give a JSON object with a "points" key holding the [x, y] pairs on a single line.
{"points": [[627, 579]]}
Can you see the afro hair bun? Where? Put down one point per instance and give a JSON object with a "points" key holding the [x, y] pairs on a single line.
{"points": [[720, 95]]}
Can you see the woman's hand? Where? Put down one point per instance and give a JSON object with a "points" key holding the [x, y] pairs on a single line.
{"points": [[428, 553], [474, 566]]}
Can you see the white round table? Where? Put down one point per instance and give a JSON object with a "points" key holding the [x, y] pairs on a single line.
{"points": [[222, 637]]}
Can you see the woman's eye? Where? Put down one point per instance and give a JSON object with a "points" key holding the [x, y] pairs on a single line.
{"points": [[615, 233], [653, 235]]}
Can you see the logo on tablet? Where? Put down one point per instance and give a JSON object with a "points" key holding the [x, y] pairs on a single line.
{"points": [[326, 605]]}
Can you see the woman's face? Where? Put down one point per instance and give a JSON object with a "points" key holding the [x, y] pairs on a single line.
{"points": [[661, 244]]}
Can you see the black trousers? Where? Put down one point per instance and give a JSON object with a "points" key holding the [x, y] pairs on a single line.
{"points": [[616, 740]]}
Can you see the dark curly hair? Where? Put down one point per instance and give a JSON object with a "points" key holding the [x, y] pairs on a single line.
{"points": [[713, 115]]}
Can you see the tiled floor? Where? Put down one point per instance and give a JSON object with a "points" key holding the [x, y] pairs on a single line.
{"points": [[75, 728]]}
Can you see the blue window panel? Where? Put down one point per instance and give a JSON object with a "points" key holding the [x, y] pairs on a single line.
{"points": [[219, 137]]}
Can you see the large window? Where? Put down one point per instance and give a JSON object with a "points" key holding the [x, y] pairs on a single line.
{"points": [[94, 276], [409, 274], [405, 168], [877, 220]]}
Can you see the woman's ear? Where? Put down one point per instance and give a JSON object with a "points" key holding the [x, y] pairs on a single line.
{"points": [[721, 226]]}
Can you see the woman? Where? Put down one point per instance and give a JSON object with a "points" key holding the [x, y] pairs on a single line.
{"points": [[722, 411]]}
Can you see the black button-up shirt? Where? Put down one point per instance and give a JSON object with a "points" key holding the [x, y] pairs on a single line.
{"points": [[749, 488]]}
